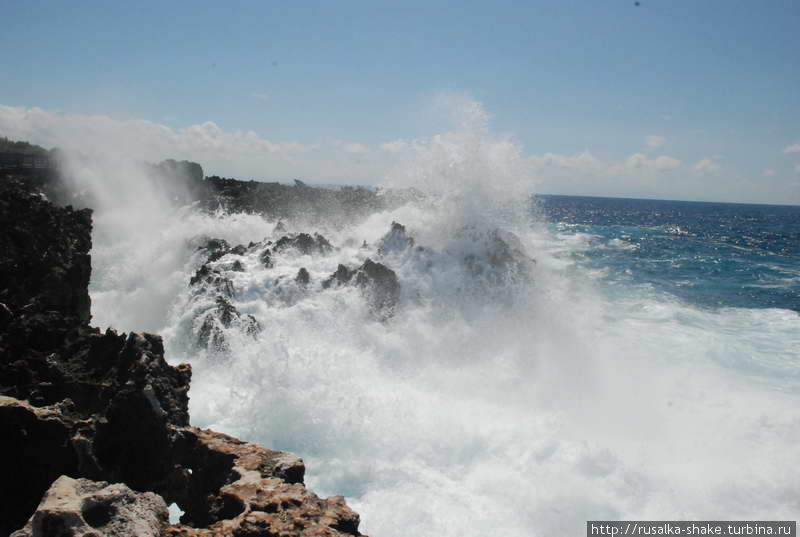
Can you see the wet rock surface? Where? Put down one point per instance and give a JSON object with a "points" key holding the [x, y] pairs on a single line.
{"points": [[377, 282], [107, 407]]}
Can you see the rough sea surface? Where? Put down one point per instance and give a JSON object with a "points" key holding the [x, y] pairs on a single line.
{"points": [[648, 368], [709, 254]]}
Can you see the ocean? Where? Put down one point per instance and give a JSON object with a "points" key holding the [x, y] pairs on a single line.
{"points": [[551, 360], [711, 255]]}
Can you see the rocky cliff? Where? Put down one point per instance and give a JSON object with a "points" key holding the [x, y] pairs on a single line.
{"points": [[109, 413]]}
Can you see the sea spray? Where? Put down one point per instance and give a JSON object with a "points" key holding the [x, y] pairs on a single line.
{"points": [[485, 405]]}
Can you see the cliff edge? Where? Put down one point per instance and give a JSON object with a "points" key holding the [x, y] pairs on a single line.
{"points": [[109, 413]]}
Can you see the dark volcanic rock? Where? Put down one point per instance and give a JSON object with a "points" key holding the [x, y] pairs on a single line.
{"points": [[342, 276], [377, 282], [266, 258], [279, 201], [503, 258], [36, 271], [304, 243], [303, 277], [396, 240], [224, 315], [107, 407]]}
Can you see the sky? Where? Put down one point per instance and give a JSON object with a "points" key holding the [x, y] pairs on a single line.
{"points": [[678, 99]]}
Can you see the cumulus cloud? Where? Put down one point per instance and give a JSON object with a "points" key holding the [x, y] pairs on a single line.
{"points": [[220, 151], [356, 148], [706, 166], [662, 163], [794, 148], [394, 146], [136, 138], [586, 162], [654, 141], [247, 154]]}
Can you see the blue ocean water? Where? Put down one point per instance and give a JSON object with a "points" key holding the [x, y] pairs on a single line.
{"points": [[712, 255]]}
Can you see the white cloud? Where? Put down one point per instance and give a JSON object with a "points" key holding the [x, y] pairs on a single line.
{"points": [[662, 163], [135, 138], [794, 148], [247, 154], [586, 162], [707, 166], [394, 146], [221, 151], [356, 148], [654, 141], [769, 172]]}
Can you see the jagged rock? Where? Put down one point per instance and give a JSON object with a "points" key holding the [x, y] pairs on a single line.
{"points": [[222, 316], [266, 258], [216, 248], [395, 240], [84, 508], [501, 258], [258, 492], [36, 271], [237, 266], [378, 284], [108, 407], [342, 276], [305, 244], [303, 277], [215, 280], [36, 450]]}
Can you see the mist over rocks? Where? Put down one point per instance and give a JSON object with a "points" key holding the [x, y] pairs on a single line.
{"points": [[107, 407], [377, 283], [212, 283]]}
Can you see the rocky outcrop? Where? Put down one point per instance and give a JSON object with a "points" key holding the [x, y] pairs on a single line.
{"points": [[377, 282], [261, 495], [38, 272], [501, 257], [217, 319], [313, 205], [396, 240], [107, 407], [304, 244], [91, 508]]}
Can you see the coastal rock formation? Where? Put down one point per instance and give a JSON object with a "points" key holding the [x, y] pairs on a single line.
{"points": [[37, 271], [313, 205], [377, 282], [103, 406], [224, 315], [254, 492], [396, 240], [91, 508], [305, 244]]}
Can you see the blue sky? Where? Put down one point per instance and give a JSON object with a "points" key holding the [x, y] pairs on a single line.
{"points": [[712, 85]]}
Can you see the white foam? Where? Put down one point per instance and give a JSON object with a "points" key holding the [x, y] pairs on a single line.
{"points": [[473, 411]]}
